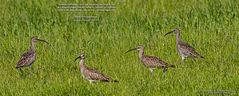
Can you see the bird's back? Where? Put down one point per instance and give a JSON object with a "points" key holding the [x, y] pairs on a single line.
{"points": [[186, 50], [152, 61], [93, 74], [26, 59]]}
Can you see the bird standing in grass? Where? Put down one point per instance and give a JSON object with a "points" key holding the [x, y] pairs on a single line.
{"points": [[28, 58], [151, 62], [90, 74], [184, 49]]}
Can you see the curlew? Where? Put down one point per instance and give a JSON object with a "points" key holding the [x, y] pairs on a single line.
{"points": [[151, 62], [28, 58], [184, 49], [90, 74]]}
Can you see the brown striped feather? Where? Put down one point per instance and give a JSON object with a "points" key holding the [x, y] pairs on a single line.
{"points": [[151, 61], [26, 59], [187, 49], [95, 75]]}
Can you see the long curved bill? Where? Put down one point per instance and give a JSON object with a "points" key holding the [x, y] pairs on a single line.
{"points": [[169, 33], [131, 50], [42, 40], [77, 58]]}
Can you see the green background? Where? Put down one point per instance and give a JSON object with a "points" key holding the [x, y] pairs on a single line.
{"points": [[211, 26]]}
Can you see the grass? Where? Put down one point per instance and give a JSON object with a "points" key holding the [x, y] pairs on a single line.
{"points": [[211, 26]]}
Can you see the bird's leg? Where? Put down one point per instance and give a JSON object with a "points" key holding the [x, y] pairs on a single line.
{"points": [[30, 69], [164, 71], [151, 71], [183, 59], [91, 81], [21, 72], [193, 57], [22, 75]]}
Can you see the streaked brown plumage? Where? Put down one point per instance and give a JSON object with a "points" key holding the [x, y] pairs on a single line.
{"points": [[151, 62], [184, 49], [90, 74], [28, 58]]}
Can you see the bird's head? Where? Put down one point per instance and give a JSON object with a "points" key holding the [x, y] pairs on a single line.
{"points": [[176, 30], [82, 56], [35, 39], [140, 47]]}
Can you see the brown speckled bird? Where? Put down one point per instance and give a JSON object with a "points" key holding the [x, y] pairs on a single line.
{"points": [[90, 74], [28, 58], [151, 62], [184, 49]]}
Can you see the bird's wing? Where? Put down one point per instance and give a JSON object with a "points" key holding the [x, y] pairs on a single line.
{"points": [[189, 49], [152, 61], [25, 59], [96, 75], [185, 45]]}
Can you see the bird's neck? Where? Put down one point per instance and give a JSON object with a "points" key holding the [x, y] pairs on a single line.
{"points": [[178, 37], [82, 61], [141, 53], [32, 46]]}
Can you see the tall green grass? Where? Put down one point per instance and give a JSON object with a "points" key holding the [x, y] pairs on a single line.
{"points": [[211, 26]]}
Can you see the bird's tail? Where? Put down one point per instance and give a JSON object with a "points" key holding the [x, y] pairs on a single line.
{"points": [[110, 80], [114, 81], [171, 65], [17, 67], [201, 56], [197, 55]]}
